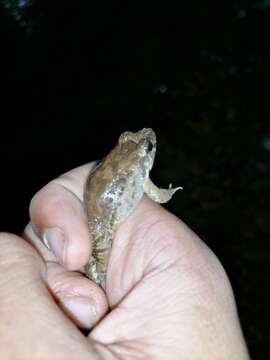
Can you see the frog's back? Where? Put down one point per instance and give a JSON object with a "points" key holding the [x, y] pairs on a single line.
{"points": [[112, 190]]}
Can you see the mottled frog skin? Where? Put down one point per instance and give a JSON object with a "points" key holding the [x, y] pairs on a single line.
{"points": [[113, 189]]}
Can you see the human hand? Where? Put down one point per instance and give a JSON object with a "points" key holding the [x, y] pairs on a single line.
{"points": [[168, 295]]}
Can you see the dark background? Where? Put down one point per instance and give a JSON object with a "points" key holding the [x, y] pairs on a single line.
{"points": [[199, 75]]}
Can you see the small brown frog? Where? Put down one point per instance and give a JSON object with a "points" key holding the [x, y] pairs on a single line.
{"points": [[113, 189]]}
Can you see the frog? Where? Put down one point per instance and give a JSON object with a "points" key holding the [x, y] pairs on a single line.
{"points": [[112, 191]]}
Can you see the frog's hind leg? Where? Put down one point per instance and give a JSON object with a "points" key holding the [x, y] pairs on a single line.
{"points": [[157, 194], [93, 274]]}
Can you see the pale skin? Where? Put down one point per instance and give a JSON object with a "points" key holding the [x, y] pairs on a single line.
{"points": [[174, 302]]}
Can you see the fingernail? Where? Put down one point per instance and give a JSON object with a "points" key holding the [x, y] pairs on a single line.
{"points": [[54, 239], [82, 310]]}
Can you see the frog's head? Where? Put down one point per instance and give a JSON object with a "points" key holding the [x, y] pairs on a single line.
{"points": [[140, 147]]}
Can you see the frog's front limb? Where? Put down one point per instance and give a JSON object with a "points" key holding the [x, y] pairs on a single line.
{"points": [[157, 194]]}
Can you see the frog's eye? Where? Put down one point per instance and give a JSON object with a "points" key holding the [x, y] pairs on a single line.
{"points": [[150, 146]]}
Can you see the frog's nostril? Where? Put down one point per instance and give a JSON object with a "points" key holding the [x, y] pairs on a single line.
{"points": [[150, 146]]}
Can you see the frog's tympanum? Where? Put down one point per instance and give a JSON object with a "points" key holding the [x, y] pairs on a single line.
{"points": [[113, 189]]}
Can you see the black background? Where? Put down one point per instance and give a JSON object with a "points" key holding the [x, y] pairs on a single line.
{"points": [[199, 75]]}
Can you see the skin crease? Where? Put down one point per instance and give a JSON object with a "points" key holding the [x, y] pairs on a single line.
{"points": [[168, 294]]}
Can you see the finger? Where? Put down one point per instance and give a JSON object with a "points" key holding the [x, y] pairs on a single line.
{"points": [[58, 218], [82, 300]]}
